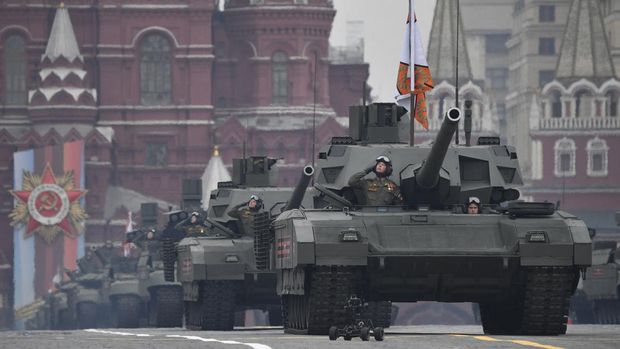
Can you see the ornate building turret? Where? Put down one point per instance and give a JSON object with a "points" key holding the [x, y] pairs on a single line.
{"points": [[575, 123], [63, 84], [442, 51], [271, 57]]}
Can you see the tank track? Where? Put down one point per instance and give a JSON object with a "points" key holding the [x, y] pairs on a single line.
{"points": [[262, 239], [607, 312], [168, 306], [540, 308], [169, 257], [379, 312], [87, 315], [218, 300], [128, 311], [274, 313], [323, 304]]}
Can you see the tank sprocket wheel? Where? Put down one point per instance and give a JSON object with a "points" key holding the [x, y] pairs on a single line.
{"points": [[128, 311], [541, 308], [87, 315], [167, 303]]}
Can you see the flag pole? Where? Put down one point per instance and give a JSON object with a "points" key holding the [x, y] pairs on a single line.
{"points": [[412, 119], [411, 78]]}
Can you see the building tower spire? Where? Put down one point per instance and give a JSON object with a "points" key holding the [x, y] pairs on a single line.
{"points": [[585, 52], [442, 47], [63, 81]]}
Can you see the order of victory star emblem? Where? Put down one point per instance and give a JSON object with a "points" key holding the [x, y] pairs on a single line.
{"points": [[48, 205]]}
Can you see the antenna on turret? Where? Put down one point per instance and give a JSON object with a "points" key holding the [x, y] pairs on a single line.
{"points": [[458, 27], [316, 61]]}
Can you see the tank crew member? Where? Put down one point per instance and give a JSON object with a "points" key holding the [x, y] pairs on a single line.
{"points": [[379, 191], [244, 212], [192, 225], [473, 205]]}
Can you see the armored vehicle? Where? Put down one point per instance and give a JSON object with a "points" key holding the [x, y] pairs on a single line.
{"points": [[521, 261], [223, 265], [597, 299], [139, 294]]}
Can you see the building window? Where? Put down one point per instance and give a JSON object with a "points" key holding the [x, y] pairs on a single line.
{"points": [[546, 14], [156, 154], [498, 77], [583, 104], [565, 157], [545, 77], [496, 43], [556, 105], [15, 71], [279, 69], [155, 72], [612, 103], [597, 157], [546, 46]]}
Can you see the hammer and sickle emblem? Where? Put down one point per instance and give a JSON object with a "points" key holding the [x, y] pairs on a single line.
{"points": [[48, 203]]}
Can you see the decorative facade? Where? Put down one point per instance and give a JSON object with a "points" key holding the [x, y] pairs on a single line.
{"points": [[442, 51], [153, 86], [575, 125]]}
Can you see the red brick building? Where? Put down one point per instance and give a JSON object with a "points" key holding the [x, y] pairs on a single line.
{"points": [[575, 126], [153, 86]]}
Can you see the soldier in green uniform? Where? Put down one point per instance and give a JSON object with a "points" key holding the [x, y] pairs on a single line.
{"points": [[244, 212], [380, 191], [192, 225]]}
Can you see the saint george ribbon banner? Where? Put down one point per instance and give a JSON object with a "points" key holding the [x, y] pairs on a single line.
{"points": [[413, 67]]}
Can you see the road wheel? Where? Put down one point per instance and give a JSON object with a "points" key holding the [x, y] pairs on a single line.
{"points": [[333, 333], [365, 334], [379, 334]]}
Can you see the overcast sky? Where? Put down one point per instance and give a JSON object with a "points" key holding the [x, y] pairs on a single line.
{"points": [[384, 26]]}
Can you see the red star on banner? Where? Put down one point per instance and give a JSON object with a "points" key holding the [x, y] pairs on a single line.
{"points": [[50, 204]]}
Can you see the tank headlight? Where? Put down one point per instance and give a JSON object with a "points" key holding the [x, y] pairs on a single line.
{"points": [[350, 236], [537, 236], [231, 258]]}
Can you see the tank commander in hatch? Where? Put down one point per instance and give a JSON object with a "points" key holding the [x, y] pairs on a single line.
{"points": [[244, 212], [473, 205], [192, 225], [380, 191]]}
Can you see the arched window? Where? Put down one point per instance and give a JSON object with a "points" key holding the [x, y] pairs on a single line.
{"points": [[612, 103], [556, 104], [279, 71], [15, 71], [444, 100], [583, 107], [565, 157], [597, 157], [155, 76]]}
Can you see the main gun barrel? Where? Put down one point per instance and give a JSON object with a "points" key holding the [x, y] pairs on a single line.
{"points": [[428, 176], [300, 190]]}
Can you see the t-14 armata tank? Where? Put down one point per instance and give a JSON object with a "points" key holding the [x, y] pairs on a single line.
{"points": [[520, 260]]}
